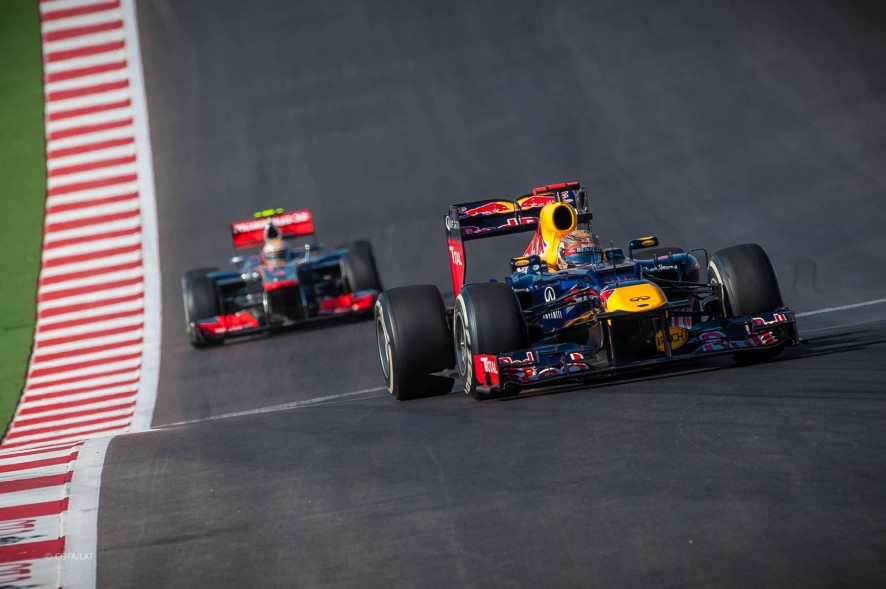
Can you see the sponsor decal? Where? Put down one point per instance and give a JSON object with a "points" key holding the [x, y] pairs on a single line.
{"points": [[472, 230], [512, 222], [490, 208], [550, 294], [660, 268], [577, 367], [553, 315], [712, 336], [527, 358], [486, 368], [293, 218], [538, 246], [549, 372], [776, 318], [678, 337], [533, 202], [456, 256]]}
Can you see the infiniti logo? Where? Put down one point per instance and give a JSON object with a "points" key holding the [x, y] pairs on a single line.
{"points": [[635, 299]]}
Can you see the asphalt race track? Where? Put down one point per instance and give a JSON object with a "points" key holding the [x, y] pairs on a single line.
{"points": [[281, 462]]}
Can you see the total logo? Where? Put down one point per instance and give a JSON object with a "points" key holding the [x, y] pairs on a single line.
{"points": [[456, 256], [678, 337], [490, 365]]}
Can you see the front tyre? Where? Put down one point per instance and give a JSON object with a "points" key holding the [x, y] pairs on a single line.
{"points": [[200, 297], [413, 341], [487, 320], [358, 268], [750, 287]]}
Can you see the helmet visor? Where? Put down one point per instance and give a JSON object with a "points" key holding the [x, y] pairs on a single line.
{"points": [[275, 256], [578, 256]]}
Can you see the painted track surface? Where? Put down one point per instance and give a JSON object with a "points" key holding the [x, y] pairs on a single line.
{"points": [[710, 125]]}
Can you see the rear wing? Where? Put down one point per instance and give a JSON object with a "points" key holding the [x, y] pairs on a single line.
{"points": [[252, 232], [492, 217]]}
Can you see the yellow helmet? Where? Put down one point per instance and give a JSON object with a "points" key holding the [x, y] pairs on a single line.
{"points": [[577, 248]]}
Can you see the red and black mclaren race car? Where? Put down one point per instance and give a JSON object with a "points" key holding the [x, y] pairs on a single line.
{"points": [[297, 286], [553, 320]]}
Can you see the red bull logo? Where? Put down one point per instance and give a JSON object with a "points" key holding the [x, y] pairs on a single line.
{"points": [[489, 208], [536, 202], [527, 358]]}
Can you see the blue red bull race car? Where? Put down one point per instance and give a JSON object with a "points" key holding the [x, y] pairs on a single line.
{"points": [[554, 321], [281, 286]]}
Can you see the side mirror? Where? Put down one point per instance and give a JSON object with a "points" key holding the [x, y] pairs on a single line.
{"points": [[311, 248], [641, 243], [525, 263]]}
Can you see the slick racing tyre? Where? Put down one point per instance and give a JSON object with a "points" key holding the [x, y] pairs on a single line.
{"points": [[358, 268], [413, 341], [750, 287], [487, 320], [200, 300]]}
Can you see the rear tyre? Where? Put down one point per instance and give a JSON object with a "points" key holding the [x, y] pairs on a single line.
{"points": [[200, 297], [358, 268], [487, 320], [750, 288], [413, 341]]}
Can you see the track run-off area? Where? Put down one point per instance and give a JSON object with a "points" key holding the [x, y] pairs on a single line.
{"points": [[281, 461]]}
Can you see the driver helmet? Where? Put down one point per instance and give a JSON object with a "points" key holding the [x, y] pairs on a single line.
{"points": [[578, 248], [274, 252]]}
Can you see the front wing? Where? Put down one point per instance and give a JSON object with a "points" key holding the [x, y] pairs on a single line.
{"points": [[243, 323], [546, 365]]}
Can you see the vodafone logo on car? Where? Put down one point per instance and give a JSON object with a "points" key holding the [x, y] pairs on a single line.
{"points": [[293, 218]]}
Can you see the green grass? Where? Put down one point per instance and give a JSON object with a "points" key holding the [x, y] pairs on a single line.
{"points": [[22, 191]]}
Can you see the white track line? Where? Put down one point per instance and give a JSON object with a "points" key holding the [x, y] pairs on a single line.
{"points": [[341, 396], [841, 308], [283, 407]]}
